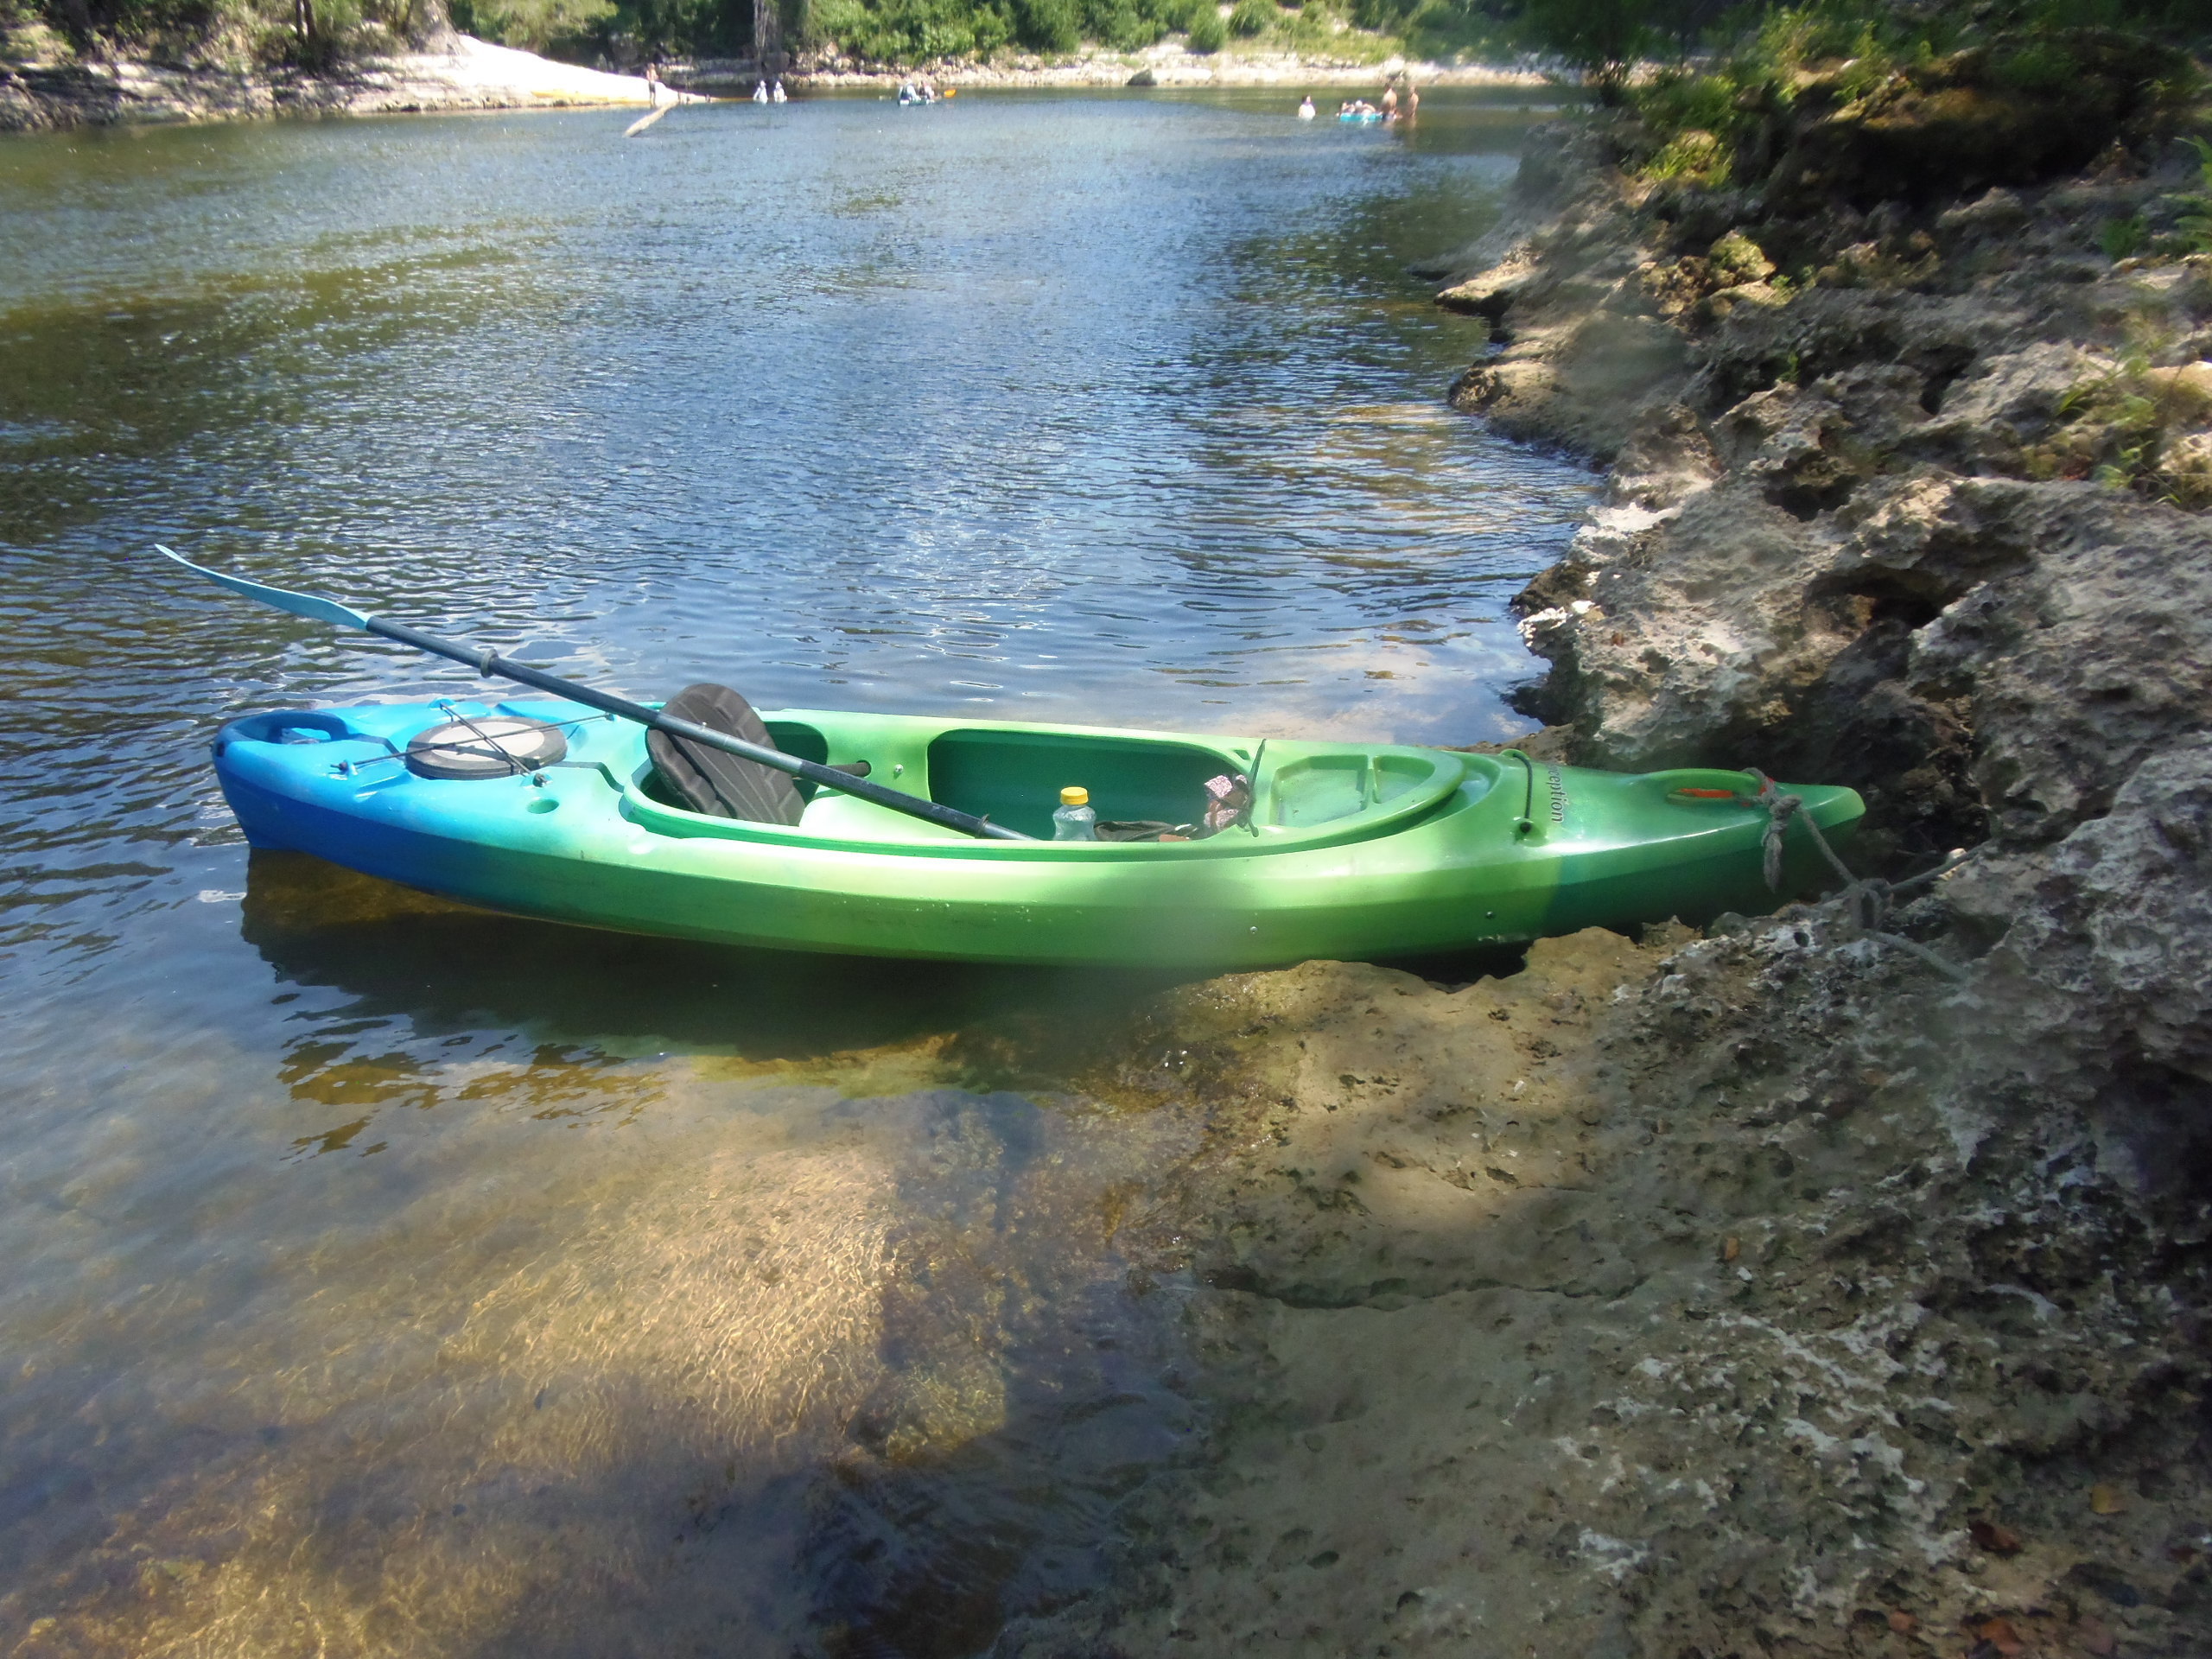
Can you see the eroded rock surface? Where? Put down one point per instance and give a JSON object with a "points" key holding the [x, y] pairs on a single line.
{"points": [[1853, 532], [1772, 1292], [1748, 1295]]}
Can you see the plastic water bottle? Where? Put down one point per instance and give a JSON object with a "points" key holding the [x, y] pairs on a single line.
{"points": [[1075, 821]]}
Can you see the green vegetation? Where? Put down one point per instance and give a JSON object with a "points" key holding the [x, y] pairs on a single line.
{"points": [[1732, 65], [2123, 238], [238, 32], [1739, 73], [533, 25], [2193, 228], [2136, 426], [1811, 107]]}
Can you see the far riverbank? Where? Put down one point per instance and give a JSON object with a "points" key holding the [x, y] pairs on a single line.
{"points": [[466, 74], [1168, 64], [50, 94]]}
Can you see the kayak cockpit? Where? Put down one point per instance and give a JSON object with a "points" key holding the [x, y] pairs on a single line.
{"points": [[1014, 777], [1304, 793]]}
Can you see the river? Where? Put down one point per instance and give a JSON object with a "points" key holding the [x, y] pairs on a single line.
{"points": [[386, 1278]]}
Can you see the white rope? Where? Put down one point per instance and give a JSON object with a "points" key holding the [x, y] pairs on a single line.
{"points": [[1863, 905]]}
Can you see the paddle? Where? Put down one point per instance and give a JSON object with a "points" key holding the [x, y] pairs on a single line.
{"points": [[489, 666]]}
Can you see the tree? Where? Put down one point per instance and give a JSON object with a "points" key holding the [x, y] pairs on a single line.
{"points": [[1605, 39]]}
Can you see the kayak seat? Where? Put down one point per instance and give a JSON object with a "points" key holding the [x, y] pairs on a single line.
{"points": [[722, 785], [1015, 776]]}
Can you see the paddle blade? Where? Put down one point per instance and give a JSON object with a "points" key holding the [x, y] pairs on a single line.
{"points": [[309, 605]]}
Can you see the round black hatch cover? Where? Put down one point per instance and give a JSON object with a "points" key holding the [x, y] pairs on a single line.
{"points": [[497, 745]]}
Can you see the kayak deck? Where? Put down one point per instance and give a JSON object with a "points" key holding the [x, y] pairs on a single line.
{"points": [[1350, 850]]}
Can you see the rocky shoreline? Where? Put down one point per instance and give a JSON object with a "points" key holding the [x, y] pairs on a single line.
{"points": [[1779, 1291]]}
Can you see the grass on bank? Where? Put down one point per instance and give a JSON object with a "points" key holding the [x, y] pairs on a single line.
{"points": [[1988, 88], [1821, 126], [1713, 110]]}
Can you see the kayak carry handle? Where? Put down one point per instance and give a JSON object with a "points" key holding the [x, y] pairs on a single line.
{"points": [[1524, 827]]}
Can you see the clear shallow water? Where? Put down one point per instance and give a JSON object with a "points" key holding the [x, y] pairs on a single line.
{"points": [[388, 1278]]}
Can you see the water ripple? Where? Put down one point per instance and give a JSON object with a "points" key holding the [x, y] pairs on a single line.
{"points": [[386, 1277]]}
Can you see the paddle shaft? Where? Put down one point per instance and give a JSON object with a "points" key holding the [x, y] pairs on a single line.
{"points": [[491, 666]]}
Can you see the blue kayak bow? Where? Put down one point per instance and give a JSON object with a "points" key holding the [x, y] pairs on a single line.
{"points": [[489, 665]]}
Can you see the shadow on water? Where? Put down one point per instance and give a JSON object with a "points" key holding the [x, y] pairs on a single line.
{"points": [[705, 1301], [929, 1558], [871, 1382], [1025, 1375], [448, 968]]}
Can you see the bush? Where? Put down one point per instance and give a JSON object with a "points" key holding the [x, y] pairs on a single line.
{"points": [[532, 25], [1310, 28], [2123, 238], [1895, 100], [910, 31], [1048, 26], [1253, 17], [1696, 155], [2195, 221], [2056, 51], [1122, 24], [1603, 38]]}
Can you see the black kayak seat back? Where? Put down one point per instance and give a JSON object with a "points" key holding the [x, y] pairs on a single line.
{"points": [[722, 785]]}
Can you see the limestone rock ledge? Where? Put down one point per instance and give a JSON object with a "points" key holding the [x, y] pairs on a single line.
{"points": [[468, 74], [1767, 1292]]}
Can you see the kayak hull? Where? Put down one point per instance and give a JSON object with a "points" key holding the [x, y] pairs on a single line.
{"points": [[1353, 851]]}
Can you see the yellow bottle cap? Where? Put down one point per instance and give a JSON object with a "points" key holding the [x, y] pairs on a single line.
{"points": [[1074, 795]]}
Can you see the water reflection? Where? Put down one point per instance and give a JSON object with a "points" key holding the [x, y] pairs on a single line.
{"points": [[386, 1277], [437, 1002]]}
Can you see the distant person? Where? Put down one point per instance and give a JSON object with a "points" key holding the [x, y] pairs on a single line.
{"points": [[779, 96], [1412, 102], [1390, 100], [653, 84], [759, 91], [1305, 110]]}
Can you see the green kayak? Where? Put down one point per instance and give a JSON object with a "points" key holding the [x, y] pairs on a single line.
{"points": [[1336, 850]]}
